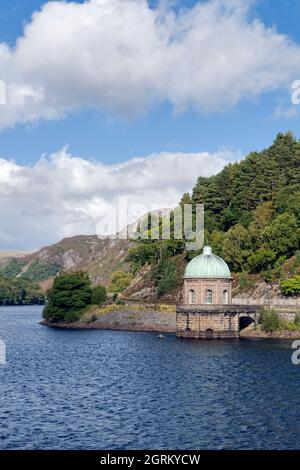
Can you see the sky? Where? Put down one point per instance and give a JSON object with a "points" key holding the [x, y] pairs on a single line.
{"points": [[109, 98]]}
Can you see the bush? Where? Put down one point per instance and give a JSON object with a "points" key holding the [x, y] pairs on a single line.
{"points": [[268, 276], [92, 319], [115, 297], [99, 295], [119, 281], [120, 302], [71, 316], [269, 320], [69, 295], [168, 280], [291, 286], [164, 275], [297, 320], [245, 281]]}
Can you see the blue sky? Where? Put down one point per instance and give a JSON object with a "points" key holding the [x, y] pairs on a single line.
{"points": [[91, 134], [109, 98]]}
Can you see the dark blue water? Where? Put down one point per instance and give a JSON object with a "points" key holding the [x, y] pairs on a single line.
{"points": [[118, 390]]}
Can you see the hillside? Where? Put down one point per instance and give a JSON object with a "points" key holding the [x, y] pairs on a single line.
{"points": [[99, 257], [20, 292], [252, 220]]}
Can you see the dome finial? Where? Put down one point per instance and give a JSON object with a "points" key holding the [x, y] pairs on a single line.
{"points": [[207, 250]]}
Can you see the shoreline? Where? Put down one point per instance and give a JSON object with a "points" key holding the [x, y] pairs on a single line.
{"points": [[258, 333], [123, 318], [152, 319], [22, 305], [252, 333], [108, 326]]}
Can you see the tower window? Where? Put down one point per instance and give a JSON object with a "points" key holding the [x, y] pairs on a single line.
{"points": [[192, 296], [225, 297], [209, 297]]}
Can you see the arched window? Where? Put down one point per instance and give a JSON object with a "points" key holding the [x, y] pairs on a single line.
{"points": [[209, 297], [225, 297], [192, 296]]}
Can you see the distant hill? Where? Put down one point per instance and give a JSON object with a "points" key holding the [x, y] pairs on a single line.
{"points": [[15, 291], [12, 254], [99, 257]]}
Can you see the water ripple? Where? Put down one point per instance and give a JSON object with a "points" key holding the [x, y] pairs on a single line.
{"points": [[122, 390]]}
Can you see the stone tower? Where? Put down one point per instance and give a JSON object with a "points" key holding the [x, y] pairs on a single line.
{"points": [[207, 310]]}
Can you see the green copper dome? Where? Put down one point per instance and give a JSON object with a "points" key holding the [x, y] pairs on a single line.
{"points": [[207, 265]]}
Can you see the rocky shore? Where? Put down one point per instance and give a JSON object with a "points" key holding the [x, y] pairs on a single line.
{"points": [[258, 333], [126, 319], [151, 318]]}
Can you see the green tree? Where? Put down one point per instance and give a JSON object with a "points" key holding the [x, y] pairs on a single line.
{"points": [[236, 247], [164, 275], [216, 241], [186, 199], [71, 292], [99, 295], [143, 252], [285, 150], [282, 235], [288, 200], [262, 217], [261, 260]]}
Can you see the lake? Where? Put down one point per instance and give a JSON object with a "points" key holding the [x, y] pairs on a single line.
{"points": [[63, 389]]}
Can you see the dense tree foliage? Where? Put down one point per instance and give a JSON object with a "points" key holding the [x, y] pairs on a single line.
{"points": [[71, 292], [252, 213], [40, 271], [99, 295], [16, 291], [13, 267], [164, 275]]}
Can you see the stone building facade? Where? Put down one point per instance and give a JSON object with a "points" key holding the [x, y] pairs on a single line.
{"points": [[207, 311], [214, 321], [207, 291]]}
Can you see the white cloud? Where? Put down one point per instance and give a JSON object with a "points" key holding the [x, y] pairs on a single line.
{"points": [[63, 195], [120, 56], [286, 112]]}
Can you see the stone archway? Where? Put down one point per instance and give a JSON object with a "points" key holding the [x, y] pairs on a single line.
{"points": [[245, 321], [209, 334]]}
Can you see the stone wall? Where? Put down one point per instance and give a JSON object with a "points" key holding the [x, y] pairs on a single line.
{"points": [[200, 287], [265, 294], [208, 321], [207, 326], [274, 302]]}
